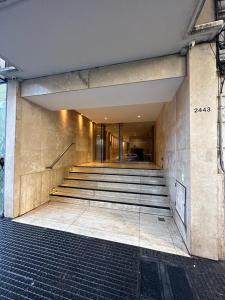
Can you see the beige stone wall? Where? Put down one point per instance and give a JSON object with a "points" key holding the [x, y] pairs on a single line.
{"points": [[221, 182], [204, 210], [41, 135], [221, 216], [187, 142], [172, 145]]}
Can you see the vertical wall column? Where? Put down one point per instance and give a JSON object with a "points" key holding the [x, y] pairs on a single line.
{"points": [[10, 148], [203, 207]]}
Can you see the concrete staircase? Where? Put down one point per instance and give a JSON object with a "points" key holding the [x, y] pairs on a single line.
{"points": [[126, 189]]}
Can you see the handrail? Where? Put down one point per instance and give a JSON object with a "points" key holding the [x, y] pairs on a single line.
{"points": [[60, 156]]}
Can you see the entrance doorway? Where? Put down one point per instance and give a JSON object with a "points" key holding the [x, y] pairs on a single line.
{"points": [[127, 142]]}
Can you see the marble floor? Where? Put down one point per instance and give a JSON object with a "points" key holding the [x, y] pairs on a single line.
{"points": [[144, 230], [123, 165]]}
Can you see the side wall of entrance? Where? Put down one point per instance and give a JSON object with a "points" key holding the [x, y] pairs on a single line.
{"points": [[40, 136], [186, 146], [173, 146]]}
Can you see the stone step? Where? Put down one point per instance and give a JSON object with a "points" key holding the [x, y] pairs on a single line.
{"points": [[165, 211], [117, 178], [130, 198], [126, 187], [141, 190], [118, 171]]}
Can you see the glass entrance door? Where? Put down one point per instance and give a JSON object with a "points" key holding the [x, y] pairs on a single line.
{"points": [[108, 143], [112, 142], [138, 141], [125, 142], [3, 93]]}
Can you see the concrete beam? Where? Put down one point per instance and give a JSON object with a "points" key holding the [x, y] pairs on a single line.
{"points": [[171, 66]]}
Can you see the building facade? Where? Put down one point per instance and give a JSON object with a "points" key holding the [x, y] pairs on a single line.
{"points": [[179, 91]]}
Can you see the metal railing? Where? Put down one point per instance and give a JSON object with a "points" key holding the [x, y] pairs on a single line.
{"points": [[60, 156]]}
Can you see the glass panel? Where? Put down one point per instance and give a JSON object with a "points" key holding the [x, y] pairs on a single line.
{"points": [[138, 141], [112, 142], [128, 141], [98, 143], [3, 91]]}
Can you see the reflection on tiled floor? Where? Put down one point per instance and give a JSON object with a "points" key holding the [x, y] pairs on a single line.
{"points": [[145, 230]]}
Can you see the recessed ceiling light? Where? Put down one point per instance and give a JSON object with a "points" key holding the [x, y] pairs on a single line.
{"points": [[105, 118], [138, 116]]}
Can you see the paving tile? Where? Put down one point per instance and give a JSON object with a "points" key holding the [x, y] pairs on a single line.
{"points": [[48, 223], [59, 215], [26, 219], [109, 221], [122, 226], [105, 235]]}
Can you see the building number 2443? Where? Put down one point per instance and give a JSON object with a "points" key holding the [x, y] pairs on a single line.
{"points": [[202, 109]]}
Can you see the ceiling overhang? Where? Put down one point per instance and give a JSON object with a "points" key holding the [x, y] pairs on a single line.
{"points": [[48, 37], [155, 91], [151, 81], [167, 67]]}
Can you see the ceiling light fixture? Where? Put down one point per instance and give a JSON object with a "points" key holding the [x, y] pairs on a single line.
{"points": [[105, 118], [138, 116]]}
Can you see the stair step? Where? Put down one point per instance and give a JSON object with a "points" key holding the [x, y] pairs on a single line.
{"points": [[116, 186], [117, 178], [142, 190], [101, 182], [150, 190], [118, 171], [115, 196], [149, 209]]}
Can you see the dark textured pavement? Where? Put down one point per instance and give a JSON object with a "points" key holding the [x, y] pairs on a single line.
{"points": [[40, 263]]}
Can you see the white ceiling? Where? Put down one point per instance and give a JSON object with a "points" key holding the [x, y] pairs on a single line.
{"points": [[43, 37], [124, 114], [120, 103], [124, 94]]}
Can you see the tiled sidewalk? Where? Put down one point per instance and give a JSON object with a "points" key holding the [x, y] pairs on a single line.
{"points": [[144, 230]]}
